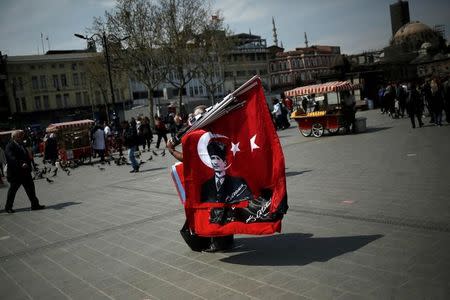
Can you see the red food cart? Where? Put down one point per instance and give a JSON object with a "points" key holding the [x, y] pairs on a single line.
{"points": [[327, 114], [74, 142]]}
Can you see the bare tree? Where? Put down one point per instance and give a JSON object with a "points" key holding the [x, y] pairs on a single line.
{"points": [[214, 47], [184, 21], [140, 21]]}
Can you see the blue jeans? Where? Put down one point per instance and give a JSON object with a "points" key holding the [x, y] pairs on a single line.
{"points": [[131, 157]]}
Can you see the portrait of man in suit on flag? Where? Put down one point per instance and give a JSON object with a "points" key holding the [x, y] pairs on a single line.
{"points": [[221, 187]]}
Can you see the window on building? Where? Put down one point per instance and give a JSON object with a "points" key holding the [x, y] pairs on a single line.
{"points": [[240, 73], [43, 81], [228, 74], [55, 82], [46, 102], [196, 90], [58, 99], [18, 108], [34, 82], [200, 90], [83, 79], [87, 101], [53, 66], [66, 100], [79, 99], [191, 91], [76, 79], [61, 66], [24, 104], [74, 66], [263, 72], [40, 67], [63, 80], [37, 103], [117, 95], [32, 67]]}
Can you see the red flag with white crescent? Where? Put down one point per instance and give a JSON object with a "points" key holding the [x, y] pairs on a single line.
{"points": [[234, 172]]}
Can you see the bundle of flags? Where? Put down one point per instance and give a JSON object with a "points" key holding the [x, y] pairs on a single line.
{"points": [[232, 179]]}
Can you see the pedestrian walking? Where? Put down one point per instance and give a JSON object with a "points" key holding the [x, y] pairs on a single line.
{"points": [[414, 105], [99, 142], [131, 140], [161, 131], [146, 133], [212, 244], [19, 172]]}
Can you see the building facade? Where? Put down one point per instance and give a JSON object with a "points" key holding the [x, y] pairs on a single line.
{"points": [[302, 66], [62, 86], [4, 103], [249, 57]]}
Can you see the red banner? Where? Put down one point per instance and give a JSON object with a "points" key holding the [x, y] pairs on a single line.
{"points": [[234, 172]]}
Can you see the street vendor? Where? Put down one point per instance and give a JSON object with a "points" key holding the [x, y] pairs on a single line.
{"points": [[348, 102], [215, 243]]}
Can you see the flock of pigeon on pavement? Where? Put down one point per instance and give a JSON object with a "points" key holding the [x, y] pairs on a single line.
{"points": [[51, 171]]}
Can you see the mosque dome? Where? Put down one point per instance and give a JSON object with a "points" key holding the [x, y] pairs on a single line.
{"points": [[413, 35]]}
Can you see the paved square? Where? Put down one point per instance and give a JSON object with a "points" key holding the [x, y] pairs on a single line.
{"points": [[369, 218]]}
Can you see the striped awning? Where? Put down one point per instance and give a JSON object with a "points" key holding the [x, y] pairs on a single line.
{"points": [[333, 86], [66, 125]]}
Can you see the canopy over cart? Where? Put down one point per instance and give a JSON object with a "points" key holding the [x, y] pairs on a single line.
{"points": [[327, 113], [73, 139]]}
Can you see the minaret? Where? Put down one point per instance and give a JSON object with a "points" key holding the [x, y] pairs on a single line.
{"points": [[306, 40], [275, 36]]}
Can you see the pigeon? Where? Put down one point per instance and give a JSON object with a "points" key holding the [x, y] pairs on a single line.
{"points": [[48, 180], [68, 172], [163, 153], [141, 162], [101, 168], [150, 158], [55, 172], [44, 170], [108, 162], [154, 153]]}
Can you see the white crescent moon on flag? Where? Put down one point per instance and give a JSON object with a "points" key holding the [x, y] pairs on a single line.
{"points": [[203, 143]]}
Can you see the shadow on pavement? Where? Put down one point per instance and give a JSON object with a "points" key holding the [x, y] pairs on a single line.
{"points": [[149, 170], [374, 129], [295, 173], [294, 249], [54, 206]]}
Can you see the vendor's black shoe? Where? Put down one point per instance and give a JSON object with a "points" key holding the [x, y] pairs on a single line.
{"points": [[10, 210], [38, 207]]}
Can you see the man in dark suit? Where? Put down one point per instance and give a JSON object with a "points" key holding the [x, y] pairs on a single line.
{"points": [[19, 172], [222, 187]]}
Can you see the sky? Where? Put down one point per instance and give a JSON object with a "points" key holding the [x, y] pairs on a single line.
{"points": [[354, 25]]}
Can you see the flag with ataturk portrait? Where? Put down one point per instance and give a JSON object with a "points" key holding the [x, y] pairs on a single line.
{"points": [[233, 170]]}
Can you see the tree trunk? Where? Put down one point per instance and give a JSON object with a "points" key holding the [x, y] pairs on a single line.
{"points": [[180, 98], [150, 107]]}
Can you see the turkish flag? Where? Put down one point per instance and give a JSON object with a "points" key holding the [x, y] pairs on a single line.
{"points": [[234, 173]]}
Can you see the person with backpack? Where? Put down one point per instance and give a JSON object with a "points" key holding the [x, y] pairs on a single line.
{"points": [[130, 138]]}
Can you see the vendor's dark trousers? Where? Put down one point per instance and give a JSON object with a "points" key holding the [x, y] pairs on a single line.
{"points": [[28, 185], [412, 116]]}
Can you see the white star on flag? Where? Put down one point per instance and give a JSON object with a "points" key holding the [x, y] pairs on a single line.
{"points": [[253, 144], [235, 148]]}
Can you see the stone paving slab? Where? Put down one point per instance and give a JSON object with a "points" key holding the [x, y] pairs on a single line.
{"points": [[368, 219]]}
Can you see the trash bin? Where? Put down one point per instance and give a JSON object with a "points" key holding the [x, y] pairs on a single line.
{"points": [[369, 104], [360, 125]]}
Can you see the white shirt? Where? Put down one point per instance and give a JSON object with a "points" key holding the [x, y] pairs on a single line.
{"points": [[107, 130], [277, 109]]}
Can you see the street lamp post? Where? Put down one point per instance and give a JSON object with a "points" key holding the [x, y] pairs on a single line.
{"points": [[104, 39]]}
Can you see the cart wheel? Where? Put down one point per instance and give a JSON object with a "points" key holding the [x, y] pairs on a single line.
{"points": [[305, 132], [333, 130], [317, 129]]}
